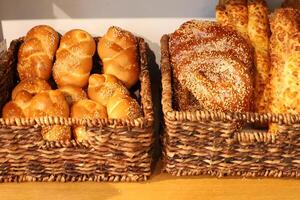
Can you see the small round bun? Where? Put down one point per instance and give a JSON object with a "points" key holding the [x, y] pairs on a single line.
{"points": [[123, 107], [48, 103], [33, 86], [86, 109], [103, 86], [57, 133], [73, 94]]}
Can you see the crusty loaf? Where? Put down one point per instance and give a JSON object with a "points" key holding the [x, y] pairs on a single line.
{"points": [[284, 22], [103, 86], [35, 56], [74, 59], [214, 63], [118, 52], [233, 13]]}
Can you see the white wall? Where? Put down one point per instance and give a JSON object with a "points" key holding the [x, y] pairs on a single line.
{"points": [[62, 9]]}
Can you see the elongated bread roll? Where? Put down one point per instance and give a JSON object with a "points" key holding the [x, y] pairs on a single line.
{"points": [[118, 52], [86, 109], [35, 56], [259, 32], [103, 86], [74, 59]]}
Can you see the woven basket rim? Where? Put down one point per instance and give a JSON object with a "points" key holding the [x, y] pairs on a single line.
{"points": [[171, 114], [146, 100]]}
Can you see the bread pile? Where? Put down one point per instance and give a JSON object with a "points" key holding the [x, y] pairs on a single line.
{"points": [[246, 61], [77, 93]]}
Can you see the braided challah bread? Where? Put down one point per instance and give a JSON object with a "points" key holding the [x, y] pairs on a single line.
{"points": [[118, 52], [103, 86], [86, 109], [73, 94], [35, 56], [74, 59], [214, 63]]}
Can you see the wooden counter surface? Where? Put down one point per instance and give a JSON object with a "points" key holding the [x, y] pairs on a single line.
{"points": [[161, 186]]}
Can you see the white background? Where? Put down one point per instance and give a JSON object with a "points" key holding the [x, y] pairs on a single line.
{"points": [[147, 18]]}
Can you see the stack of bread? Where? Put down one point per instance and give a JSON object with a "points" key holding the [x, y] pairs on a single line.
{"points": [[77, 93], [240, 63]]}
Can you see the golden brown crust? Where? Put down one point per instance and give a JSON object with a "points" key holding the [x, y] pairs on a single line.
{"points": [[259, 32], [48, 103], [73, 94], [33, 86], [122, 106], [234, 13], [56, 133], [284, 23], [214, 63], [86, 109], [118, 52], [35, 56], [74, 59], [103, 86]]}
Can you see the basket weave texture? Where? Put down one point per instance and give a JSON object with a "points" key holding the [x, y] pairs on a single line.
{"points": [[118, 150], [211, 143]]}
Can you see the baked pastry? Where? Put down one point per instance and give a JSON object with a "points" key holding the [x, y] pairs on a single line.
{"points": [[32, 86], [122, 106], [118, 52], [73, 94], [17, 108], [86, 109], [234, 13], [35, 56], [51, 103], [259, 33], [103, 86], [284, 22], [74, 59], [285, 60], [214, 63]]}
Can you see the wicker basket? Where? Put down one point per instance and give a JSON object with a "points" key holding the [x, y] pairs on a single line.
{"points": [[118, 150], [209, 143]]}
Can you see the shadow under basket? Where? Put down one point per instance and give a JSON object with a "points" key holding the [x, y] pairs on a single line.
{"points": [[209, 143], [117, 150]]}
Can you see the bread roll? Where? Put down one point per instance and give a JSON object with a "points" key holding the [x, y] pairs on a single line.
{"points": [[74, 59], [73, 94], [103, 86], [233, 13], [259, 32], [51, 103], [118, 52], [48, 103], [32, 86], [35, 56], [122, 106], [86, 109], [17, 108]]}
